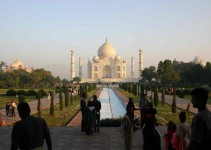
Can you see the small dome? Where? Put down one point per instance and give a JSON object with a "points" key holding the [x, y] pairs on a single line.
{"points": [[198, 60], [106, 51], [118, 57], [17, 64], [96, 57]]}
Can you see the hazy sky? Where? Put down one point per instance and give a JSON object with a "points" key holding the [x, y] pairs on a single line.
{"points": [[41, 33]]}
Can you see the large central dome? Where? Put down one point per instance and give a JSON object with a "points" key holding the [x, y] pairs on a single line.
{"points": [[106, 51]]}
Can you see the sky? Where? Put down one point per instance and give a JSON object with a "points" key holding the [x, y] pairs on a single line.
{"points": [[41, 33]]}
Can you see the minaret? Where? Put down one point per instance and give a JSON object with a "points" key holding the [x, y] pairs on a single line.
{"points": [[80, 67], [141, 64], [72, 65], [132, 67]]}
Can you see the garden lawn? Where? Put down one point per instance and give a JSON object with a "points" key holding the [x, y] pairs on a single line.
{"points": [[62, 118]]}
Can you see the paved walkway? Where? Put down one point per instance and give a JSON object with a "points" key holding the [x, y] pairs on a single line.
{"points": [[45, 103], [65, 138]]}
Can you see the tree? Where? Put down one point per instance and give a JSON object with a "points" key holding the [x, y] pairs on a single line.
{"points": [[38, 103], [166, 73], [52, 104], [60, 99], [173, 107], [77, 79], [163, 96], [156, 98], [149, 73], [66, 95]]}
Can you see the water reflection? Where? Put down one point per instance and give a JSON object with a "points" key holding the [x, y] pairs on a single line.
{"points": [[112, 105]]}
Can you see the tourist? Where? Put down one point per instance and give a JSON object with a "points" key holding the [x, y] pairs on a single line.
{"points": [[131, 104], [30, 132], [13, 107], [201, 123], [151, 137], [183, 131], [90, 113], [2, 121], [83, 108], [171, 129], [142, 105], [7, 108], [127, 128], [149, 109], [97, 104]]}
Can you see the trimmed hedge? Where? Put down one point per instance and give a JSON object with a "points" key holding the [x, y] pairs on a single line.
{"points": [[111, 122], [21, 92], [11, 93]]}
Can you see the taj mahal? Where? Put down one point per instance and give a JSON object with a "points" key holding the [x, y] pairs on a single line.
{"points": [[106, 66]]}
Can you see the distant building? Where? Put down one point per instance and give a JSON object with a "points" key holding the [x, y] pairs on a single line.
{"points": [[200, 61], [17, 65], [107, 66]]}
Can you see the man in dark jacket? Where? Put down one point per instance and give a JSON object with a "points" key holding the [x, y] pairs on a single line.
{"points": [[97, 104], [30, 132]]}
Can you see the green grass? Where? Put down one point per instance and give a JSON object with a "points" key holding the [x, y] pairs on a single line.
{"points": [[62, 118], [164, 112], [5, 99]]}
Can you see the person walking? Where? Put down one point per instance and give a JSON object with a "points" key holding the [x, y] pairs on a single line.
{"points": [[183, 131], [131, 104], [127, 128], [151, 137], [97, 104], [142, 105], [7, 108], [13, 107], [83, 108], [201, 123], [29, 132]]}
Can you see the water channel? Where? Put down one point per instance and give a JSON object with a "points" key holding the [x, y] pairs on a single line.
{"points": [[111, 105]]}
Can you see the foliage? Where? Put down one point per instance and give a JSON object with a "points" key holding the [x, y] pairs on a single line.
{"points": [[21, 98], [31, 93], [149, 73], [174, 102], [39, 103], [163, 96], [11, 93], [77, 79], [60, 99], [156, 99], [52, 104], [21, 92], [66, 96], [113, 122]]}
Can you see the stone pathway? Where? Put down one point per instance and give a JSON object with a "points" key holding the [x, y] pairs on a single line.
{"points": [[65, 138]]}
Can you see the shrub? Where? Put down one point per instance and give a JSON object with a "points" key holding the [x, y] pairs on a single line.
{"points": [[21, 98], [43, 93], [21, 92], [181, 95], [110, 122], [11, 93], [31, 93]]}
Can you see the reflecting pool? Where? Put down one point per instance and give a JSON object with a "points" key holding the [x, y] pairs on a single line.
{"points": [[111, 105]]}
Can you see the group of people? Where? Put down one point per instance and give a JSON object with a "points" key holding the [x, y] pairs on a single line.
{"points": [[183, 136], [90, 114], [148, 123], [10, 108]]}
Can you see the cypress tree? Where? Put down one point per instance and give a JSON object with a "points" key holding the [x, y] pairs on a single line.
{"points": [[142, 91], [39, 104], [66, 95], [60, 99], [173, 107], [156, 99], [163, 96], [52, 104]]}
